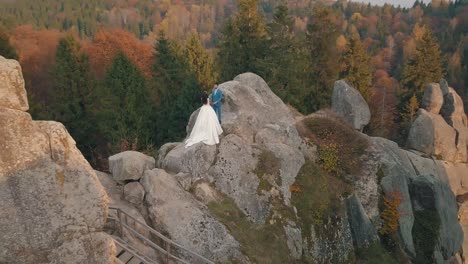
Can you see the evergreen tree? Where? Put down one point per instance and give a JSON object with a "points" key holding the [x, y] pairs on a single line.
{"points": [[178, 91], [6, 50], [125, 117], [72, 93], [281, 66], [356, 71], [424, 67], [243, 41], [322, 68], [201, 62]]}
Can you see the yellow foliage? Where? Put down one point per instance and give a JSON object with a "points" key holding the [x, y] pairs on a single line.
{"points": [[390, 213]]}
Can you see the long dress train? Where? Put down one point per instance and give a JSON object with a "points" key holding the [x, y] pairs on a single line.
{"points": [[206, 129]]}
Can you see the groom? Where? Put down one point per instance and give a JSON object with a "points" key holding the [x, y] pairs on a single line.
{"points": [[216, 97]]}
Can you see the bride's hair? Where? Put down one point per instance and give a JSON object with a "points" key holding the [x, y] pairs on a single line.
{"points": [[204, 98]]}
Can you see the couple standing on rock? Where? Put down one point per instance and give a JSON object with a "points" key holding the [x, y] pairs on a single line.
{"points": [[207, 127]]}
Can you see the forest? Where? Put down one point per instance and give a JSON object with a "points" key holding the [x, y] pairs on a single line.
{"points": [[127, 74]]}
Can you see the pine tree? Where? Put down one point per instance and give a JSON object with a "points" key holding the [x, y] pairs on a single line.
{"points": [[6, 49], [72, 93], [356, 71], [424, 67], [178, 91], [200, 61], [125, 117], [281, 66], [243, 41], [322, 66]]}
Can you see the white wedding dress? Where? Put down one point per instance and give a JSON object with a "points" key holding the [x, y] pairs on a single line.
{"points": [[206, 129]]}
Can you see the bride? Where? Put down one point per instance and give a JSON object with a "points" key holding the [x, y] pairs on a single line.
{"points": [[207, 128]]}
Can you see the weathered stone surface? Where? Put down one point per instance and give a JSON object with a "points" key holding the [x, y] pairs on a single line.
{"points": [[78, 250], [322, 249], [12, 92], [187, 221], [115, 193], [431, 135], [455, 174], [291, 161], [294, 242], [130, 165], [50, 197], [433, 98], [463, 219], [205, 193], [249, 105], [362, 230], [195, 160], [274, 133], [429, 193], [233, 174], [454, 114], [397, 171], [162, 152], [348, 103], [134, 192]]}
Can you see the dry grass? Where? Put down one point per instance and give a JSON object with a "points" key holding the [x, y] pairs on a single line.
{"points": [[340, 146]]}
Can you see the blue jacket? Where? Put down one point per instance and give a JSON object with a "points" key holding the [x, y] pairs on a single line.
{"points": [[216, 97]]}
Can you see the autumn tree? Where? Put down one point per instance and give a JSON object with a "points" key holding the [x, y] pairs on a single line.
{"points": [[107, 44], [355, 67], [72, 93], [6, 49], [243, 41], [125, 106], [177, 89], [200, 61], [383, 105]]}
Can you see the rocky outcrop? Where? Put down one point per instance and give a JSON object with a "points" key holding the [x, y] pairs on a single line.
{"points": [[186, 220], [130, 165], [431, 135], [249, 105], [134, 193], [195, 160], [363, 231], [12, 92], [53, 206], [233, 174], [348, 103], [435, 205], [433, 98]]}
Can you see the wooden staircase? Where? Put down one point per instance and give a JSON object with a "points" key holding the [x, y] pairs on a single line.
{"points": [[167, 251]]}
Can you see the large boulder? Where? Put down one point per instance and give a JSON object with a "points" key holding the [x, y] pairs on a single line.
{"points": [[433, 99], [348, 103], [430, 134], [130, 165], [455, 174], [195, 160], [396, 172], [363, 231], [187, 221], [435, 203], [12, 92], [50, 198], [249, 105], [234, 174], [134, 193]]}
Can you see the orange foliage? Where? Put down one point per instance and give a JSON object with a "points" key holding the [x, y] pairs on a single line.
{"points": [[106, 44], [36, 51], [390, 213], [295, 188], [383, 104]]}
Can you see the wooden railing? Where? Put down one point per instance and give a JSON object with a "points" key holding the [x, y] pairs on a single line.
{"points": [[170, 251]]}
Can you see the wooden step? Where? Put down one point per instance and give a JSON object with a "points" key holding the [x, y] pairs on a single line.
{"points": [[125, 257]]}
